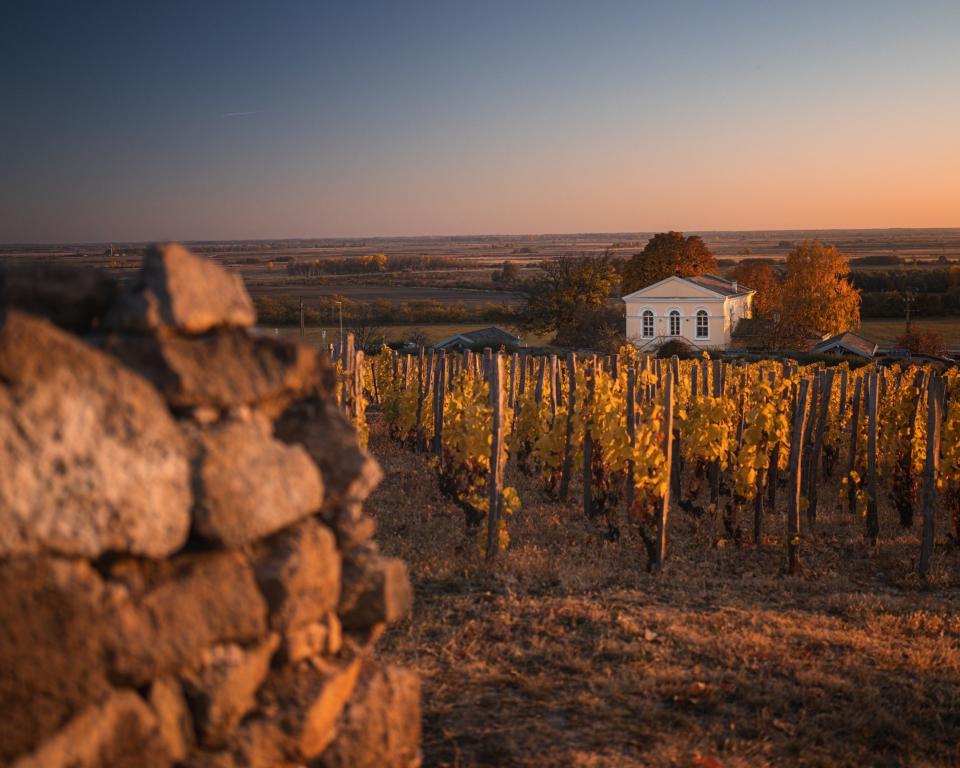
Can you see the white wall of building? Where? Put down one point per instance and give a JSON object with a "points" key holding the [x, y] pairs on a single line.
{"points": [[722, 314]]}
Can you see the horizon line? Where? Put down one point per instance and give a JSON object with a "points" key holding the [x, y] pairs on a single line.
{"points": [[642, 233]]}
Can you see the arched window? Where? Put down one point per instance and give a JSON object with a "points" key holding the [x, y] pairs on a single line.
{"points": [[646, 324], [674, 322], [703, 324]]}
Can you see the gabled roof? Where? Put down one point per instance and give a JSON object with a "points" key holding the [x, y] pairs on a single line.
{"points": [[492, 337], [714, 284], [720, 285], [850, 342]]}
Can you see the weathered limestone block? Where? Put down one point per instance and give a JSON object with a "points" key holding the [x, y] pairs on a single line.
{"points": [[298, 571], [349, 472], [71, 297], [173, 717], [51, 652], [210, 598], [309, 699], [179, 291], [375, 589], [222, 690], [223, 369], [90, 459], [258, 743], [261, 743], [250, 485], [119, 733], [380, 727], [317, 639]]}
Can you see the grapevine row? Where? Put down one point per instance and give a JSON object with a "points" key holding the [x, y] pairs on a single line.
{"points": [[631, 429]]}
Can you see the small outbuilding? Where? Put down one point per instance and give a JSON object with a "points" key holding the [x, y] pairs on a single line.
{"points": [[484, 337], [847, 344]]}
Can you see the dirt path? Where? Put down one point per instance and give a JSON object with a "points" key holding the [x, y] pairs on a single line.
{"points": [[568, 653]]}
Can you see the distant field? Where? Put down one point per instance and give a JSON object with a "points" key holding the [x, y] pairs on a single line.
{"points": [[885, 331], [432, 333], [379, 292]]}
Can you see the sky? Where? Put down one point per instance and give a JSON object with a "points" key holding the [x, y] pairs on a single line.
{"points": [[210, 120]]}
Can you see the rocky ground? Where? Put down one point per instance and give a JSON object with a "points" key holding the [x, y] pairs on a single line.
{"points": [[566, 652]]}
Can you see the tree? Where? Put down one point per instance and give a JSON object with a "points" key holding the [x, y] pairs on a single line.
{"points": [[600, 328], [367, 334], [566, 289], [763, 278], [665, 255], [510, 273], [922, 342], [816, 291]]}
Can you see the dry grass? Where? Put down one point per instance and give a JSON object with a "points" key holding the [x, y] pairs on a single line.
{"points": [[567, 653], [885, 332]]}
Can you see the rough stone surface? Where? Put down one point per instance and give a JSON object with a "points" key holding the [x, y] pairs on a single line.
{"points": [[350, 472], [50, 648], [310, 698], [91, 460], [250, 485], [173, 717], [180, 291], [298, 571], [71, 297], [223, 369], [380, 727], [261, 743], [171, 570], [316, 639], [119, 733], [209, 599], [224, 687], [375, 589]]}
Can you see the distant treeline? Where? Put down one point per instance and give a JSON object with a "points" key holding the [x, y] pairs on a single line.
{"points": [[326, 311], [371, 263], [882, 291]]}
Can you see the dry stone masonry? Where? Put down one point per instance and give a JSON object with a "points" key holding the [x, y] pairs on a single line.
{"points": [[187, 576]]}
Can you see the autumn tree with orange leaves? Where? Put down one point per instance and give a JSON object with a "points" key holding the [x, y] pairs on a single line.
{"points": [[763, 278], [817, 292]]}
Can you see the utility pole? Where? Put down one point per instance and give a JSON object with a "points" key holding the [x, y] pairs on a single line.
{"points": [[909, 297], [340, 307]]}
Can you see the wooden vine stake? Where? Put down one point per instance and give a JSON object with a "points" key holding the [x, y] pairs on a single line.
{"points": [[796, 459], [567, 467], [554, 387], [591, 373], [821, 426], [854, 436], [541, 376], [439, 400], [495, 482], [935, 397], [667, 438], [873, 517], [358, 406], [631, 432]]}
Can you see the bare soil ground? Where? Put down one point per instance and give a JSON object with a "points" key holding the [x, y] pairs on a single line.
{"points": [[567, 653]]}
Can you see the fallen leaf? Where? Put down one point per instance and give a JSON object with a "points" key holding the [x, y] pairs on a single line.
{"points": [[705, 761]]}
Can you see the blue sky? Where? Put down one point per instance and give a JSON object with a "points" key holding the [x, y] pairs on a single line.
{"points": [[211, 120]]}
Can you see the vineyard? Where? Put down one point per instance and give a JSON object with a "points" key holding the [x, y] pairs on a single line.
{"points": [[751, 450]]}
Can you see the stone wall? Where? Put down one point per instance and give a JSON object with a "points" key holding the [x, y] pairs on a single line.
{"points": [[186, 572]]}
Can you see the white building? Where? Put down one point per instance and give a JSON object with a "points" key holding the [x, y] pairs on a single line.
{"points": [[701, 311]]}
